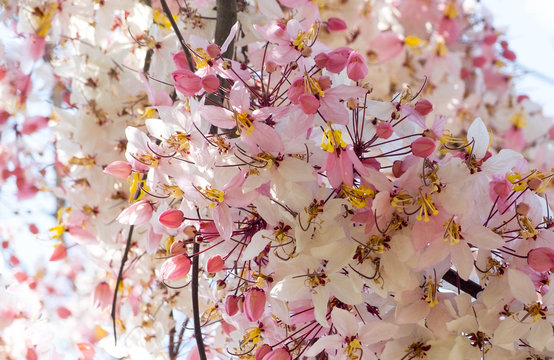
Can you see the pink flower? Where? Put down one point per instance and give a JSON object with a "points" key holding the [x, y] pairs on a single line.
{"points": [[254, 304], [337, 59], [180, 60], [541, 259], [119, 169], [172, 218], [356, 69], [423, 147], [175, 267], [215, 264], [137, 214], [387, 45], [102, 295], [60, 252], [187, 82], [335, 24]]}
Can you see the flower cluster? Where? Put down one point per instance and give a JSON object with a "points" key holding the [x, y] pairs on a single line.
{"points": [[305, 188]]}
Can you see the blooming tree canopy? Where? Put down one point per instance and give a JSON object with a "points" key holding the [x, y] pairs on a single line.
{"points": [[276, 179]]}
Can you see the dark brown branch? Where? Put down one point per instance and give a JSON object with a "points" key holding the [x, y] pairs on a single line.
{"points": [[186, 50], [466, 286], [195, 307], [226, 18]]}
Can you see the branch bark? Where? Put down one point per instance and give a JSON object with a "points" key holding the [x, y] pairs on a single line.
{"points": [[468, 286]]}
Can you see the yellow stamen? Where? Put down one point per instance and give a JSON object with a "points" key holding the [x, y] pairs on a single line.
{"points": [[401, 201], [243, 123], [452, 232], [412, 41], [86, 161], [179, 141], [427, 207], [431, 290], [253, 335], [162, 20], [135, 184], [359, 197], [312, 85], [451, 11], [527, 228], [216, 196], [353, 346], [201, 58], [332, 139]]}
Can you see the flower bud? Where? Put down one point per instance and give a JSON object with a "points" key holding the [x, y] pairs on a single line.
{"points": [[261, 351], [270, 67], [180, 60], [177, 248], [278, 354], [338, 59], [335, 24], [231, 305], [213, 50], [423, 147], [102, 295], [254, 304], [509, 55], [356, 69], [479, 61], [541, 259], [397, 168], [210, 83], [63, 312], [384, 130], [175, 267], [215, 264], [423, 107], [60, 252], [137, 214], [321, 60], [306, 52], [171, 218]]}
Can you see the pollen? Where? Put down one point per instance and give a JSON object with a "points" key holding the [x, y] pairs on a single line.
{"points": [[518, 120], [536, 311], [201, 58], [173, 191], [253, 335], [243, 123], [527, 228], [359, 197], [431, 292], [303, 38], [161, 20], [332, 139], [86, 161], [179, 141], [401, 201], [452, 232], [352, 348], [311, 85], [412, 41], [427, 208], [216, 196]]}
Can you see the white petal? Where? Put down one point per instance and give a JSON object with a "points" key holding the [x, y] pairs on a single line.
{"points": [[509, 331], [521, 286], [343, 288], [482, 237], [478, 133], [345, 322], [257, 244], [324, 343], [462, 258], [290, 289], [501, 162], [376, 331], [539, 335], [320, 298]]}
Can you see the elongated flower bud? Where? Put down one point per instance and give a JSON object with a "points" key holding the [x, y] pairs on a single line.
{"points": [[119, 169], [175, 267], [60, 252], [423, 147], [335, 24], [254, 304], [137, 214], [215, 264], [231, 305], [171, 218]]}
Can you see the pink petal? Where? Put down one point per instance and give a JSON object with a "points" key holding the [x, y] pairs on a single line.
{"points": [[541, 259], [356, 69], [223, 220], [335, 24], [308, 103], [119, 169], [423, 147], [254, 304], [186, 82], [175, 267], [210, 83], [387, 45], [215, 264]]}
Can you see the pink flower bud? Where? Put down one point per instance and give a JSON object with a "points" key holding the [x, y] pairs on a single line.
{"points": [[119, 169], [63, 312], [541, 259], [210, 83], [254, 304], [175, 267], [384, 130], [551, 132], [423, 107], [171, 218], [60, 252], [177, 248], [509, 55], [308, 103], [137, 214], [356, 69], [479, 61], [186, 82], [338, 59], [180, 60], [278, 354], [335, 24], [213, 50], [4, 116], [490, 38], [215, 264], [321, 60], [231, 305], [262, 351], [423, 147], [102, 295]]}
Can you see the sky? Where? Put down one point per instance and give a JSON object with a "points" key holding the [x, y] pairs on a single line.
{"points": [[529, 26]]}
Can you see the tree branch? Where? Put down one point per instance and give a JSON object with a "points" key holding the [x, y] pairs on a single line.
{"points": [[468, 286]]}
